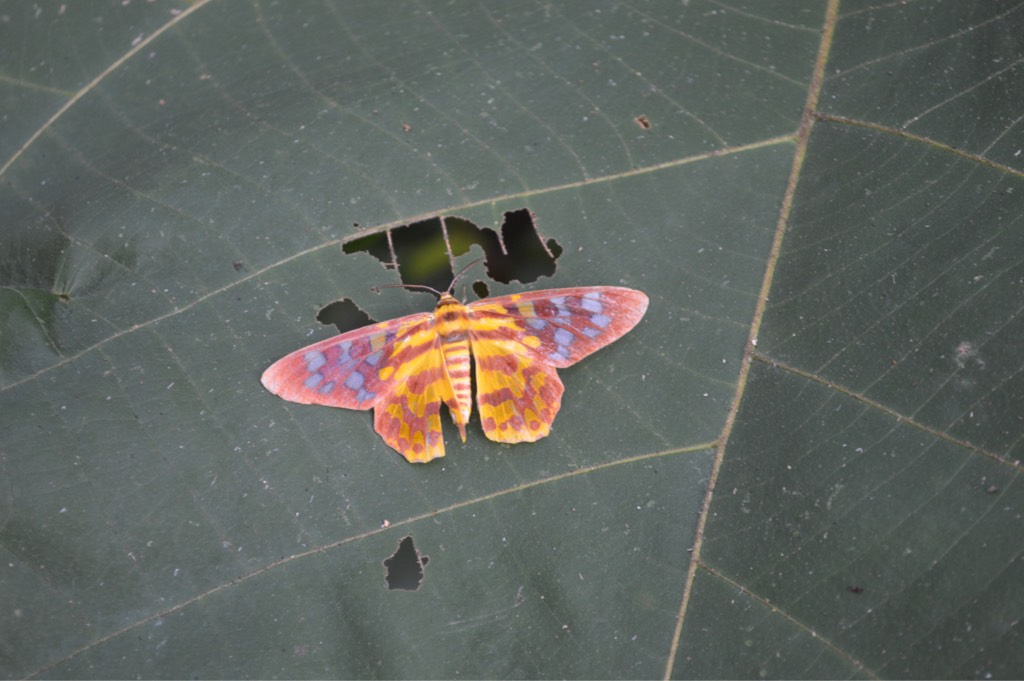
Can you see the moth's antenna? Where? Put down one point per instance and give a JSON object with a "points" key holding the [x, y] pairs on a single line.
{"points": [[459, 275], [420, 286], [432, 289]]}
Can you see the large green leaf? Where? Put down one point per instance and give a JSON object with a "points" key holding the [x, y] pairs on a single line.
{"points": [[805, 461]]}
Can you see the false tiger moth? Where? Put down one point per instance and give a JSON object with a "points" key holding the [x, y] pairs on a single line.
{"points": [[404, 369]]}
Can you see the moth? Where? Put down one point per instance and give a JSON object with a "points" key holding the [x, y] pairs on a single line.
{"points": [[405, 368]]}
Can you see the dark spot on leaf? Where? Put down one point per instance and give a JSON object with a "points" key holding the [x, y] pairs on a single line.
{"points": [[404, 570], [239, 265], [992, 489], [344, 314], [642, 121], [855, 589]]}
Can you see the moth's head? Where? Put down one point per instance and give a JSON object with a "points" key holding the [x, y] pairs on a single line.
{"points": [[443, 296]]}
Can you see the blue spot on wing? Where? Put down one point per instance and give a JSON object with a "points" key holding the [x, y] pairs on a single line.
{"points": [[313, 381], [563, 337], [314, 360], [354, 381], [343, 350], [600, 320], [559, 304], [590, 304]]}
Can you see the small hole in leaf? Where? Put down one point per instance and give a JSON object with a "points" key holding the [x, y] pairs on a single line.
{"points": [[481, 289], [344, 314], [404, 570]]}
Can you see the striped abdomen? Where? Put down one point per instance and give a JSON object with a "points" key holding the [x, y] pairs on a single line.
{"points": [[453, 329]]}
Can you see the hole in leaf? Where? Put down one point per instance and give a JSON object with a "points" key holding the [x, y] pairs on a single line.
{"points": [[421, 254], [423, 251], [404, 570], [374, 244], [520, 253], [344, 314]]}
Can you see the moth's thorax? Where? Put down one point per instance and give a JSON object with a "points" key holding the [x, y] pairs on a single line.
{"points": [[452, 319], [452, 324]]}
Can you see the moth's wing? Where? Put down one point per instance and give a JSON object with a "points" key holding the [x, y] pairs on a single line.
{"points": [[350, 370], [519, 340], [409, 416], [561, 326], [385, 367], [517, 395]]}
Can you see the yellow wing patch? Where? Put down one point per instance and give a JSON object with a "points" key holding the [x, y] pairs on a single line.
{"points": [[409, 418], [518, 397]]}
